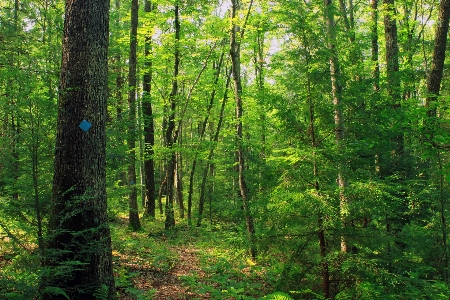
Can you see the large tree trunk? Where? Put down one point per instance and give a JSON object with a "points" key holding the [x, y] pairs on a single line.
{"points": [[336, 90], [236, 69], [437, 65], [79, 244], [131, 138], [149, 128]]}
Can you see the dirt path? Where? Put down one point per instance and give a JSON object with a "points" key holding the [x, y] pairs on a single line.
{"points": [[167, 284], [171, 287]]}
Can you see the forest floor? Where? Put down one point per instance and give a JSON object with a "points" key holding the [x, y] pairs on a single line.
{"points": [[187, 262], [183, 263]]}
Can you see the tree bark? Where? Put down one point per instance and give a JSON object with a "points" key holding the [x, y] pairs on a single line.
{"points": [[336, 90], [236, 70], [392, 52], [437, 65], [149, 127], [133, 214], [78, 239]]}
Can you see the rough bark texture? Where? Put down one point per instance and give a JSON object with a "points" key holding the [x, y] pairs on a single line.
{"points": [[133, 214], [236, 69], [78, 242], [336, 90], [392, 51], [437, 65]]}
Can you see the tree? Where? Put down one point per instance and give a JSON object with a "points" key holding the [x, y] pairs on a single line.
{"points": [[392, 66], [131, 139], [149, 128], [235, 46], [433, 88], [169, 135], [336, 91], [78, 254], [437, 65]]}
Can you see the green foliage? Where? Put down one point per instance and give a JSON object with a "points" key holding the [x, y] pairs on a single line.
{"points": [[101, 292], [55, 291], [396, 201], [277, 296]]}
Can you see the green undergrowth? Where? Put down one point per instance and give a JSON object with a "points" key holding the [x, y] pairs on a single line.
{"points": [[221, 269], [216, 265]]}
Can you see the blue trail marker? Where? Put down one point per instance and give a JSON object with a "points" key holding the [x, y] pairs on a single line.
{"points": [[85, 125]]}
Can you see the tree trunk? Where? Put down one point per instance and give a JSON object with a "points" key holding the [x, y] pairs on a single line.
{"points": [[202, 134], [79, 244], [236, 69], [374, 36], [336, 90], [393, 78], [149, 127], [201, 203], [433, 88], [131, 138], [179, 181], [169, 139], [437, 65]]}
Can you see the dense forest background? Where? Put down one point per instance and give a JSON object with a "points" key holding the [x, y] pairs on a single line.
{"points": [[308, 140]]}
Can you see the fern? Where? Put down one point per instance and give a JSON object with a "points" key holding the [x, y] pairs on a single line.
{"points": [[53, 290], [101, 293], [277, 296]]}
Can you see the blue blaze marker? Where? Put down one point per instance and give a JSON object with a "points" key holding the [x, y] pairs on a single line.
{"points": [[85, 125]]}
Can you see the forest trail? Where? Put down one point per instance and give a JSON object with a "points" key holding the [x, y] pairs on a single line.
{"points": [[170, 285], [157, 276]]}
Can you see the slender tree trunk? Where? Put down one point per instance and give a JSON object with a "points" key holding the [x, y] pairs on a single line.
{"points": [[202, 134], [374, 35], [131, 138], [35, 142], [201, 203], [78, 239], [259, 74], [236, 69], [393, 76], [348, 25], [140, 117], [149, 127], [336, 90], [179, 181], [169, 139]]}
